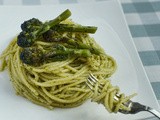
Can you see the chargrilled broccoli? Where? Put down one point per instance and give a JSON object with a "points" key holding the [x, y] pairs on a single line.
{"points": [[31, 25], [52, 31], [53, 34], [25, 39], [32, 55], [36, 56], [33, 28]]}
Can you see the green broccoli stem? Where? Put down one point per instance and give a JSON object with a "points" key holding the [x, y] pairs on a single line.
{"points": [[74, 28], [62, 50], [47, 25], [61, 17], [68, 51], [80, 45], [77, 44]]}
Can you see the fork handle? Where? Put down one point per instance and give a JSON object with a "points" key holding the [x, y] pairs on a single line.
{"points": [[137, 107], [154, 112]]}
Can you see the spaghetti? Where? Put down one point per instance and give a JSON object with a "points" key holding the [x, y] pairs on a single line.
{"points": [[62, 83]]}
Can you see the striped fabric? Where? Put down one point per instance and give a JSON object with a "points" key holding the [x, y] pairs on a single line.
{"points": [[143, 18]]}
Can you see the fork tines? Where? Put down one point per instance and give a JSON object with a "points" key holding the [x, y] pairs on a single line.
{"points": [[91, 82]]}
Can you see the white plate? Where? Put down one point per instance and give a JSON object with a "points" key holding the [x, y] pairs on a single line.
{"points": [[113, 35]]}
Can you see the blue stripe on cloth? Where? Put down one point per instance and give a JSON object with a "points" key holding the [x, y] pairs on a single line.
{"points": [[150, 57], [141, 7], [156, 89], [31, 2], [149, 18], [145, 30], [155, 42], [137, 30], [153, 30], [67, 1], [128, 8], [156, 5]]}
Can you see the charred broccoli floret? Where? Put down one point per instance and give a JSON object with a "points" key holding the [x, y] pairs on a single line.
{"points": [[31, 25], [31, 56], [26, 39], [53, 36]]}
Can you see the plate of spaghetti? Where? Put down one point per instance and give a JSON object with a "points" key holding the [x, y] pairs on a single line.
{"points": [[48, 63]]}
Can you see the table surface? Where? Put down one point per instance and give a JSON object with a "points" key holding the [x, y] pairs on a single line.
{"points": [[143, 18]]}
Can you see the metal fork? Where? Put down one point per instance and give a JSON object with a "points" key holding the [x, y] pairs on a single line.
{"points": [[135, 107]]}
